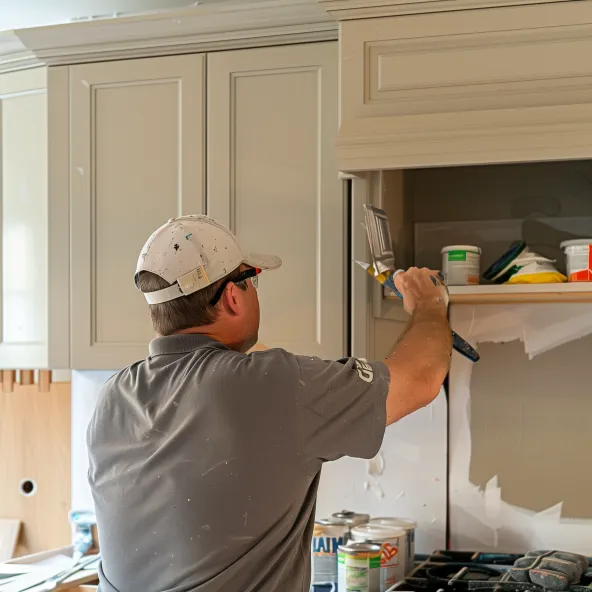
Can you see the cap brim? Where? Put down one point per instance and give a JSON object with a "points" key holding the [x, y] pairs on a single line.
{"points": [[266, 262]]}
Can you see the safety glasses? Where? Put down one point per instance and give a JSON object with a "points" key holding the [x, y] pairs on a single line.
{"points": [[242, 277]]}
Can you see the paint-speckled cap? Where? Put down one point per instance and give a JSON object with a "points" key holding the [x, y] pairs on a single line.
{"points": [[192, 252]]}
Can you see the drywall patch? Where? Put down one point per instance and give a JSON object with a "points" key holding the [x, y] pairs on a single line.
{"points": [[477, 519], [530, 425]]}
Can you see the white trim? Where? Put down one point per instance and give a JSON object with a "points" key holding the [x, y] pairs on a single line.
{"points": [[228, 25], [343, 10], [560, 132]]}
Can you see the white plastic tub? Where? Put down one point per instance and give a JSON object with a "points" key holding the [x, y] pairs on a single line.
{"points": [[461, 265], [578, 254]]}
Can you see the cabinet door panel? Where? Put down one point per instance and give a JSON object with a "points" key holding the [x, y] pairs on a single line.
{"points": [[24, 220], [272, 178], [136, 160]]}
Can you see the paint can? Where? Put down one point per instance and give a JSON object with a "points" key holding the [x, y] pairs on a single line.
{"points": [[359, 567], [461, 265], [409, 527], [578, 254], [392, 540], [352, 518], [328, 535]]}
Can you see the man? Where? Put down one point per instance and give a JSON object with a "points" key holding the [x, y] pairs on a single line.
{"points": [[205, 460]]}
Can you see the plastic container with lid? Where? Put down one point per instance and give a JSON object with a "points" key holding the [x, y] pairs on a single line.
{"points": [[578, 254], [461, 265], [409, 527], [393, 542]]}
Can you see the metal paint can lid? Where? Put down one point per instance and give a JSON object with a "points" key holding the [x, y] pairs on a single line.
{"points": [[333, 521], [352, 518], [377, 533], [360, 549], [404, 523]]}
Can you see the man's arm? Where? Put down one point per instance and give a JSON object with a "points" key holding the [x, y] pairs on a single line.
{"points": [[420, 360]]}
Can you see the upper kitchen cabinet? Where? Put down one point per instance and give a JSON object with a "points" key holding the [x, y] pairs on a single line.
{"points": [[272, 178], [506, 84], [137, 140], [33, 229]]}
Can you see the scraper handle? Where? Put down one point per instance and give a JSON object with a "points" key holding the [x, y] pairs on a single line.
{"points": [[462, 346]]}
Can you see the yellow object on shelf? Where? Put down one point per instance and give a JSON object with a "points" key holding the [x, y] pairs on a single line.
{"points": [[547, 277]]}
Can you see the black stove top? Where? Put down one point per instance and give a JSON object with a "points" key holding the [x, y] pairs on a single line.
{"points": [[459, 571]]}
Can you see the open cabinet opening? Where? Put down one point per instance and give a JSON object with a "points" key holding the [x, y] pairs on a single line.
{"points": [[490, 207]]}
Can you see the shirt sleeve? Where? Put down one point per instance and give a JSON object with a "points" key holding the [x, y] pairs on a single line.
{"points": [[343, 407]]}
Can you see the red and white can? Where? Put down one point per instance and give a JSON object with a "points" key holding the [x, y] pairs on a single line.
{"points": [[578, 254], [392, 541]]}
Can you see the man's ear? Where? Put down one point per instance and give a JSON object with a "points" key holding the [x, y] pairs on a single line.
{"points": [[232, 300]]}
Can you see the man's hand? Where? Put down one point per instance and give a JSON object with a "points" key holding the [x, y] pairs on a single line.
{"points": [[422, 289]]}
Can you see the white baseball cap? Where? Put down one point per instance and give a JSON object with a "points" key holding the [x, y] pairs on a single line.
{"points": [[193, 252]]}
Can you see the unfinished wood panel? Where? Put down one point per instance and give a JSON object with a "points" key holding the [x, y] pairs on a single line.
{"points": [[137, 158], [35, 457], [44, 380], [272, 179], [26, 377], [8, 378]]}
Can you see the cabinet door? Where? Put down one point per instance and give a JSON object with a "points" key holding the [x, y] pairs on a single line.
{"points": [[272, 178], [24, 220], [137, 158]]}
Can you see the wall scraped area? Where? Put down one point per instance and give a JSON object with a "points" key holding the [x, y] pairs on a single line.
{"points": [[519, 440], [538, 415]]}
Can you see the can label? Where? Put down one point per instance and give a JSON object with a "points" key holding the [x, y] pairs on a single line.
{"points": [[359, 572], [326, 540], [579, 263], [392, 565], [461, 268], [457, 255]]}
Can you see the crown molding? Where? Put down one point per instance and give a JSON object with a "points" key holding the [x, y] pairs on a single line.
{"points": [[343, 10], [229, 24], [561, 132]]}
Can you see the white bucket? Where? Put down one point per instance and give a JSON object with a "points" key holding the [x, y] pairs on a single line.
{"points": [[578, 254], [409, 527], [461, 265], [393, 543]]}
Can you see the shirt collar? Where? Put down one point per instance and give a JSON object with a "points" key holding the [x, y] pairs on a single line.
{"points": [[181, 344]]}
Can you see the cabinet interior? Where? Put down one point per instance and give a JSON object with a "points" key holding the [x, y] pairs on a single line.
{"points": [[489, 206]]}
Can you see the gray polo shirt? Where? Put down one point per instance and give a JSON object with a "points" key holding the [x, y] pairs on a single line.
{"points": [[205, 463]]}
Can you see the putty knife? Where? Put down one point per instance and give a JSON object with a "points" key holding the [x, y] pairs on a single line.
{"points": [[384, 271]]}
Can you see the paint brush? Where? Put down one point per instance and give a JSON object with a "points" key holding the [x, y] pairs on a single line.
{"points": [[388, 281], [383, 270]]}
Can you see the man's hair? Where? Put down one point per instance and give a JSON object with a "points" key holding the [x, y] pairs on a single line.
{"points": [[185, 312]]}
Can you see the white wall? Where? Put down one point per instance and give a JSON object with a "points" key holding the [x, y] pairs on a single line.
{"points": [[85, 392], [414, 454]]}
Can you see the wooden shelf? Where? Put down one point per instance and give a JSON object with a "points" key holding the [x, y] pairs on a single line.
{"points": [[518, 294]]}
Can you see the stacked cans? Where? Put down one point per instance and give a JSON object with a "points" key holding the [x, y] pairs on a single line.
{"points": [[362, 554], [329, 534]]}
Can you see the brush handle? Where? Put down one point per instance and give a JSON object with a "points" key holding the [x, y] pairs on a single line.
{"points": [[462, 346]]}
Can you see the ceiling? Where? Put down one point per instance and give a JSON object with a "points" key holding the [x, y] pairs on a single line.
{"points": [[18, 14]]}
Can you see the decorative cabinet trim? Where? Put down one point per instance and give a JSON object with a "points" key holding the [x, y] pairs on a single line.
{"points": [[361, 9], [501, 85], [233, 25]]}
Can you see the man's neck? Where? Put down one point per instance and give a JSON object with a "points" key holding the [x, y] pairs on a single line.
{"points": [[214, 333]]}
